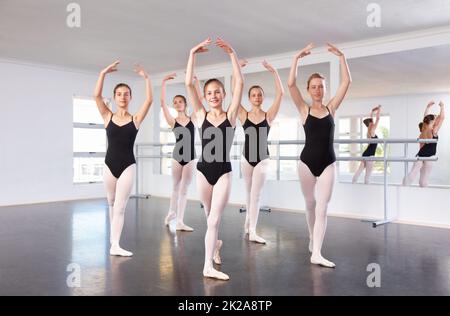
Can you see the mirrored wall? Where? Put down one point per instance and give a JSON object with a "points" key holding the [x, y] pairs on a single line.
{"points": [[402, 82]]}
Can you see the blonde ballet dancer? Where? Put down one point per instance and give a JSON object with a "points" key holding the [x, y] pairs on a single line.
{"points": [[316, 167]]}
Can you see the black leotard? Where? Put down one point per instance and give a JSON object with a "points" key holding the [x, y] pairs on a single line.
{"points": [[119, 154], [318, 152], [181, 132], [213, 170], [428, 149], [261, 131], [371, 149]]}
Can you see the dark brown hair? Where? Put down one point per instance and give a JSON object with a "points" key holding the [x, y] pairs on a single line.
{"points": [[184, 99], [427, 119], [367, 121], [420, 126], [180, 96], [254, 87], [122, 85]]}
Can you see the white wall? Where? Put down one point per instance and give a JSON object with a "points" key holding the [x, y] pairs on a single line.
{"points": [[36, 132]]}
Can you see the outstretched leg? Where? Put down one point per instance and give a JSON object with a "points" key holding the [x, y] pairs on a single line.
{"points": [[110, 185], [258, 180], [247, 173], [123, 190], [177, 171], [220, 195], [425, 173], [413, 173], [369, 169], [325, 185], [186, 179], [358, 171], [308, 186]]}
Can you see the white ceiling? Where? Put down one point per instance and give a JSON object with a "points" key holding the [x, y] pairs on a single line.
{"points": [[425, 70], [159, 33]]}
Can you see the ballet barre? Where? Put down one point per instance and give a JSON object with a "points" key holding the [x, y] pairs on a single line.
{"points": [[385, 159], [278, 158]]}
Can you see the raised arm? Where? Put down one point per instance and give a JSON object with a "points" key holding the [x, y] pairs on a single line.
{"points": [[294, 91], [377, 111], [143, 110], [439, 119], [238, 85], [169, 118], [428, 108], [194, 99], [279, 92], [346, 79], [198, 89], [242, 112], [105, 112]]}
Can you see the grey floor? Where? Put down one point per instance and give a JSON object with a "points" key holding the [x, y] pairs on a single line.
{"points": [[38, 244]]}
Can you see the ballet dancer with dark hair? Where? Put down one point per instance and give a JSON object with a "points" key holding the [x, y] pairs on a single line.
{"points": [[255, 162], [371, 148], [429, 130], [183, 155], [120, 163]]}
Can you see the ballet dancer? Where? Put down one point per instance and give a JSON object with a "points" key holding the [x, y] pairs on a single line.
{"points": [[255, 161], [429, 130], [216, 134], [183, 157], [316, 167], [371, 148], [120, 164]]}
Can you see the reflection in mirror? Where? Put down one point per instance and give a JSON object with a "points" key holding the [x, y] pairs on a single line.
{"points": [[403, 83]]}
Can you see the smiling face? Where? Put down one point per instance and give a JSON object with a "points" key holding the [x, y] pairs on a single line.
{"points": [[122, 95], [214, 94], [256, 96]]}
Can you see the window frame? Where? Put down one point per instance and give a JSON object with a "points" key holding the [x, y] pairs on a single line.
{"points": [[86, 154]]}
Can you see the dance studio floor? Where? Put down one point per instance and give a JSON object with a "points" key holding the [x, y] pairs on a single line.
{"points": [[39, 242]]}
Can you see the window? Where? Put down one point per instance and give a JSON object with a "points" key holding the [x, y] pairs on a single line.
{"points": [[352, 127], [284, 128], [89, 141], [281, 129]]}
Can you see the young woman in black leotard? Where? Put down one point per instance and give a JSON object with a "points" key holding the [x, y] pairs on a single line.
{"points": [[216, 133], [430, 128], [317, 162], [371, 149], [121, 130], [183, 155], [255, 161]]}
